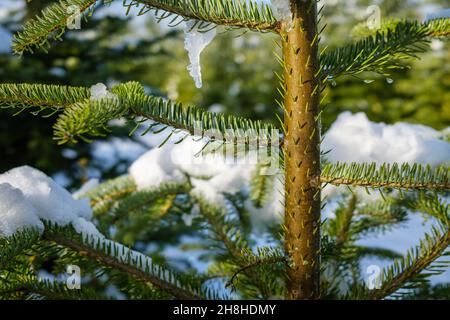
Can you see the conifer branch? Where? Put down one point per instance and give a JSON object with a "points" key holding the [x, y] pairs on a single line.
{"points": [[408, 271], [15, 245], [106, 194], [261, 186], [230, 13], [397, 176], [51, 24], [419, 263], [228, 234], [383, 51], [49, 290], [83, 117], [40, 96], [139, 200], [111, 254]]}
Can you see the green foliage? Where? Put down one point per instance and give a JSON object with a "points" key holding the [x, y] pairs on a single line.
{"points": [[261, 186], [383, 51], [138, 217], [232, 13], [411, 271], [52, 23], [22, 96], [90, 117], [404, 176]]}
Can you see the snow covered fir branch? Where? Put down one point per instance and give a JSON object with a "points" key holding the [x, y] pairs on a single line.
{"points": [[287, 225]]}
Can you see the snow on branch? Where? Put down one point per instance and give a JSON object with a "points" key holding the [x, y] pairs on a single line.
{"points": [[32, 204]]}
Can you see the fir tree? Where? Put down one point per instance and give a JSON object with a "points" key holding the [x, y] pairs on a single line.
{"points": [[311, 259]]}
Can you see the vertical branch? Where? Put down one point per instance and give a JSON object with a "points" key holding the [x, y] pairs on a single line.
{"points": [[302, 150]]}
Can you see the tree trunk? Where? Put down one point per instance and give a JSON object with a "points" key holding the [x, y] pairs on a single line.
{"points": [[302, 151]]}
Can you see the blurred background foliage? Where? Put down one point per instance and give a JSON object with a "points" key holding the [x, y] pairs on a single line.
{"points": [[238, 76]]}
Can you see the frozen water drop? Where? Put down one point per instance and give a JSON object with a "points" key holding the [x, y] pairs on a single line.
{"points": [[195, 42], [390, 80], [332, 81]]}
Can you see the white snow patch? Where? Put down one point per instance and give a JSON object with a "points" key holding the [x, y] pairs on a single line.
{"points": [[45, 200], [155, 167], [212, 175], [281, 9], [354, 138], [15, 212], [100, 91], [28, 196], [195, 42]]}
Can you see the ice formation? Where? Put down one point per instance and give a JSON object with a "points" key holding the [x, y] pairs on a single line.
{"points": [[44, 200], [100, 91], [281, 9], [195, 42]]}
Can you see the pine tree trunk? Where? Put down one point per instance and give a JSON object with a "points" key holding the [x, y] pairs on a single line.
{"points": [[302, 151]]}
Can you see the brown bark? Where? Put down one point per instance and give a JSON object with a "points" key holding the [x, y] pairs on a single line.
{"points": [[302, 151]]}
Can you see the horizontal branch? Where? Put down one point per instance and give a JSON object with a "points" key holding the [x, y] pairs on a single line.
{"points": [[403, 176], [82, 117], [384, 50], [407, 270], [134, 264], [41, 96], [230, 13], [51, 23]]}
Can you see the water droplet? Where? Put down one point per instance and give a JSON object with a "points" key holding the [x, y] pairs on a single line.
{"points": [[390, 80], [368, 81], [331, 79]]}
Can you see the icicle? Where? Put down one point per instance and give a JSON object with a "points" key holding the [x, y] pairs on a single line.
{"points": [[194, 43], [281, 9]]}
